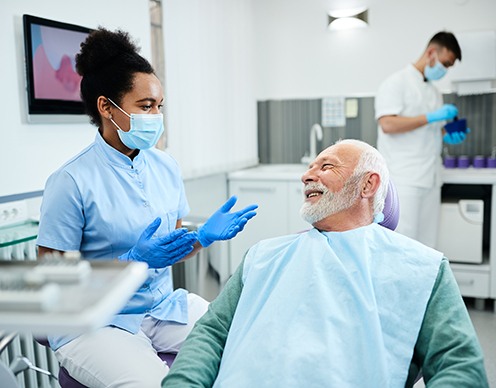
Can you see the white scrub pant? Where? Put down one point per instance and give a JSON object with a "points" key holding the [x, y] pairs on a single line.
{"points": [[112, 357], [419, 213]]}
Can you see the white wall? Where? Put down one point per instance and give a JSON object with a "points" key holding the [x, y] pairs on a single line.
{"points": [[222, 55], [210, 98], [210, 85], [297, 57], [30, 152]]}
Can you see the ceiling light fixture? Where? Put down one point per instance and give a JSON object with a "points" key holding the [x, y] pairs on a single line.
{"points": [[345, 19]]}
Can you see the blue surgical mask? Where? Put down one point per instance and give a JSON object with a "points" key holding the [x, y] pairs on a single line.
{"points": [[144, 131], [436, 72]]}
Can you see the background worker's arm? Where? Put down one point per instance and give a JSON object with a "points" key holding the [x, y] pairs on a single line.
{"points": [[400, 124]]}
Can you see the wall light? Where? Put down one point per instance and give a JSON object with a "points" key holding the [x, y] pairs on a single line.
{"points": [[345, 19]]}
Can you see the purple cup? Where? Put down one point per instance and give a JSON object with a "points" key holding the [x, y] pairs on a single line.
{"points": [[479, 161], [450, 161], [463, 161], [491, 162]]}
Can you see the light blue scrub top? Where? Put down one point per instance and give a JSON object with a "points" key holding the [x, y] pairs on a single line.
{"points": [[100, 202]]}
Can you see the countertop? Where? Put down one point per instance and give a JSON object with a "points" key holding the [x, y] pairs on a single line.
{"points": [[469, 175], [272, 172], [293, 172]]}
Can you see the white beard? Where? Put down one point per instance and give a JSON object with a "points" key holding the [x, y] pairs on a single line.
{"points": [[329, 203]]}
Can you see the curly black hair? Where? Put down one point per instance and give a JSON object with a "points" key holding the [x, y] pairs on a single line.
{"points": [[107, 63]]}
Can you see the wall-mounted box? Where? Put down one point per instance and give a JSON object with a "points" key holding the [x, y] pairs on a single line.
{"points": [[476, 73]]}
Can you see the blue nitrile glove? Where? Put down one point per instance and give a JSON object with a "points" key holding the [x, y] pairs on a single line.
{"points": [[446, 112], [160, 252], [223, 225], [455, 137]]}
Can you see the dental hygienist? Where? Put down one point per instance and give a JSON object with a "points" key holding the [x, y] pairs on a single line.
{"points": [[120, 197], [411, 116]]}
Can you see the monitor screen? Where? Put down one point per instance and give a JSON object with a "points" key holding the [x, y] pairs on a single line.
{"points": [[50, 51]]}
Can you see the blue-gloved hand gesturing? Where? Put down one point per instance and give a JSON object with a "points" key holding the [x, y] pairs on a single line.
{"points": [[160, 252], [455, 137], [223, 225], [446, 112]]}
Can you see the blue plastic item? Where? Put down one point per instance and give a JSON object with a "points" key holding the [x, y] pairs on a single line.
{"points": [[457, 125]]}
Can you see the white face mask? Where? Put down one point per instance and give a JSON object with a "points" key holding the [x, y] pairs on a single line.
{"points": [[144, 131]]}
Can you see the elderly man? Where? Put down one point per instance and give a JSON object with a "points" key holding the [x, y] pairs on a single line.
{"points": [[347, 304]]}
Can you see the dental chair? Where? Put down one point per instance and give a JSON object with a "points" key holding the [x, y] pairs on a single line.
{"points": [[391, 217], [391, 209]]}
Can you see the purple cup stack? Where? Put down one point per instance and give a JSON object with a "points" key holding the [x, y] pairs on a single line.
{"points": [[463, 161], [491, 162], [450, 161], [479, 161]]}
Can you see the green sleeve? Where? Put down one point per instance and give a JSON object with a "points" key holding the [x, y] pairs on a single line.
{"points": [[447, 348], [197, 364]]}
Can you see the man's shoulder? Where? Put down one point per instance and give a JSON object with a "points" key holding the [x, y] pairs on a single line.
{"points": [[399, 77], [408, 245]]}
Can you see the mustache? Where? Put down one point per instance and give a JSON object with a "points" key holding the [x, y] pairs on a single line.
{"points": [[316, 186]]}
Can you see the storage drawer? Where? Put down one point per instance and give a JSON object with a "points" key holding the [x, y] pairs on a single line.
{"points": [[472, 284]]}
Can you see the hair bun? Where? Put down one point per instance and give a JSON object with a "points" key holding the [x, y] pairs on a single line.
{"points": [[103, 47]]}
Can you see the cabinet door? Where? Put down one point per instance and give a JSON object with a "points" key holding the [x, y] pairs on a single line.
{"points": [[295, 200], [271, 218], [472, 283]]}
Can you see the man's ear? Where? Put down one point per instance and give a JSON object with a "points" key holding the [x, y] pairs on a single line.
{"points": [[431, 54], [371, 184]]}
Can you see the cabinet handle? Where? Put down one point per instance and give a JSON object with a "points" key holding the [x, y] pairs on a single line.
{"points": [[258, 189], [466, 282]]}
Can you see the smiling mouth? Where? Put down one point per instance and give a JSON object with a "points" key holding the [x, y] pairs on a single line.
{"points": [[312, 194]]}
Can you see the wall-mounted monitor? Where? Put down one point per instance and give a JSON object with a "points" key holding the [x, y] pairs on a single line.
{"points": [[52, 81]]}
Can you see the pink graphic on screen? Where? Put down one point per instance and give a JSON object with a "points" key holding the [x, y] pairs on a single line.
{"points": [[54, 52]]}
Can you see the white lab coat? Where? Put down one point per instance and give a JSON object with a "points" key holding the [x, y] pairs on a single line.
{"points": [[414, 157]]}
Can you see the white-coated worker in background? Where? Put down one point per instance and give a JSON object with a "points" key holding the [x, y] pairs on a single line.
{"points": [[411, 117], [121, 197]]}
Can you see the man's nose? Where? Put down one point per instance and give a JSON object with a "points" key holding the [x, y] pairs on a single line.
{"points": [[309, 176]]}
